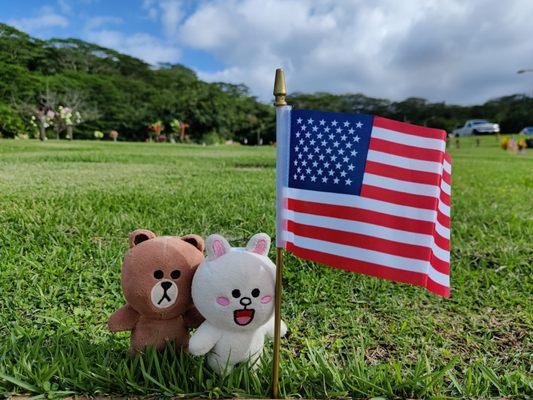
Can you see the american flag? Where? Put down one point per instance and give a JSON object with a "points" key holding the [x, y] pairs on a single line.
{"points": [[365, 194]]}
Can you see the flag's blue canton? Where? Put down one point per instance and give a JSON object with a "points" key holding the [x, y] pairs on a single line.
{"points": [[328, 150]]}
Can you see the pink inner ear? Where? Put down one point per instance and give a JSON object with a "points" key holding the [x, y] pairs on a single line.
{"points": [[260, 246], [266, 299], [218, 248], [223, 301]]}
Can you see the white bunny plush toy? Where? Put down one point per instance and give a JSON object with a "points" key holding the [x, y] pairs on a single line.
{"points": [[233, 288]]}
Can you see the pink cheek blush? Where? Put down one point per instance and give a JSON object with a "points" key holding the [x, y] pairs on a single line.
{"points": [[223, 301], [266, 299]]}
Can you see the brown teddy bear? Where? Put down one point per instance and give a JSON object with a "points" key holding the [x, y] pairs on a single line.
{"points": [[156, 279]]}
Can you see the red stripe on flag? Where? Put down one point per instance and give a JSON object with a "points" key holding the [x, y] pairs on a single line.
{"points": [[361, 215], [362, 267], [444, 220], [403, 150], [409, 129], [446, 177], [390, 171], [436, 288], [440, 265], [445, 198], [401, 198], [359, 240], [442, 242]]}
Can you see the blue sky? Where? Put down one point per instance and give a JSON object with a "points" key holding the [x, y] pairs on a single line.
{"points": [[444, 50]]}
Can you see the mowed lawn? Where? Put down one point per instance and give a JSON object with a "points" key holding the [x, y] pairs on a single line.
{"points": [[65, 213]]}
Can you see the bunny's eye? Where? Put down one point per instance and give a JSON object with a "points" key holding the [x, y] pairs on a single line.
{"points": [[255, 292], [236, 293]]}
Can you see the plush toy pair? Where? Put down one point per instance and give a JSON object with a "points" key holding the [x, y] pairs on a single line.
{"points": [[164, 278]]}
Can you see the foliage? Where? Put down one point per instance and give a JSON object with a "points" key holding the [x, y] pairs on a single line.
{"points": [[125, 92], [511, 112], [66, 210], [11, 124]]}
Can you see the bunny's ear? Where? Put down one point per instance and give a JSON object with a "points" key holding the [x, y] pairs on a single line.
{"points": [[139, 236], [216, 246], [259, 244]]}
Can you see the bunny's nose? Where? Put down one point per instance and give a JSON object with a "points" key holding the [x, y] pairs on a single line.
{"points": [[166, 285]]}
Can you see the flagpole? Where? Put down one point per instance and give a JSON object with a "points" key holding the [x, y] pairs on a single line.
{"points": [[280, 91]]}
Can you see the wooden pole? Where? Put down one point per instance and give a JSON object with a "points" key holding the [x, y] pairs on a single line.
{"points": [[277, 324], [280, 91]]}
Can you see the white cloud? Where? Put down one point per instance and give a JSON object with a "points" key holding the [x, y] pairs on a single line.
{"points": [[141, 45], [171, 16], [150, 6], [46, 18], [455, 51], [64, 6], [99, 21]]}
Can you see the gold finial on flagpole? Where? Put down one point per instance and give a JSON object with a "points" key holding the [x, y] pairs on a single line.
{"points": [[280, 90]]}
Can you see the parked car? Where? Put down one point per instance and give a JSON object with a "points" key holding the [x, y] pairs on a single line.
{"points": [[528, 130], [476, 127]]}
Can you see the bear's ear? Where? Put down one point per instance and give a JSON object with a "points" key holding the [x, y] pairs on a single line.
{"points": [[139, 236], [216, 246], [195, 240], [259, 244]]}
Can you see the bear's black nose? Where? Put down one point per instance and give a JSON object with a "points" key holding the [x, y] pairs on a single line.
{"points": [[166, 285]]}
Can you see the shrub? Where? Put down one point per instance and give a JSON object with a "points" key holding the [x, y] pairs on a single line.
{"points": [[11, 124]]}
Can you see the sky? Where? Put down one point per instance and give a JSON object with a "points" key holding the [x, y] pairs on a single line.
{"points": [[457, 51]]}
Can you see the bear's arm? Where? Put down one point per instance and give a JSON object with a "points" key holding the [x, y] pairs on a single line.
{"points": [[204, 339], [124, 319], [269, 328], [193, 318]]}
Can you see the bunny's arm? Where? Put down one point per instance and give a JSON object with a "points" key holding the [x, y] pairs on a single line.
{"points": [[269, 328], [124, 319], [204, 339]]}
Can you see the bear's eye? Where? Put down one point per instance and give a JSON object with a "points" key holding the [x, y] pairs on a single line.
{"points": [[158, 274], [236, 293], [175, 274], [255, 292]]}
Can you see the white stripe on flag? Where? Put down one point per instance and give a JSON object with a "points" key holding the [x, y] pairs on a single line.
{"points": [[362, 228], [447, 167], [400, 186], [410, 140], [376, 257], [442, 230], [404, 162], [350, 200], [445, 187], [443, 208], [441, 254]]}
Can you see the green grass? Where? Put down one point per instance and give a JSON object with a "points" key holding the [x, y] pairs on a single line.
{"points": [[66, 210]]}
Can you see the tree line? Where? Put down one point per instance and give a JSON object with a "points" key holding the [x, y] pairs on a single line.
{"points": [[110, 91], [68, 88], [512, 112]]}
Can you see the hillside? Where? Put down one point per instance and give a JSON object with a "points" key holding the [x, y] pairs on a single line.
{"points": [[117, 91]]}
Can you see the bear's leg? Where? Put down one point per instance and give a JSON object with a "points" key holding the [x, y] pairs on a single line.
{"points": [[143, 338], [182, 338]]}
